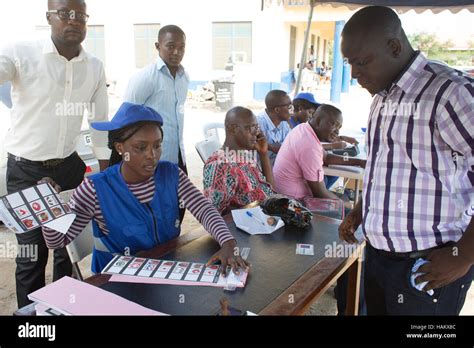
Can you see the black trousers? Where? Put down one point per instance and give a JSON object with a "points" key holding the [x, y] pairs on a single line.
{"points": [[388, 290], [30, 269], [183, 167]]}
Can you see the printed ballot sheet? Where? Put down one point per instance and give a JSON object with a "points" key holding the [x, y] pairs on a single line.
{"points": [[34, 207], [139, 270], [254, 221]]}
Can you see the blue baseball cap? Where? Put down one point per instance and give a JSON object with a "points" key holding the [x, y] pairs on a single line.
{"points": [[309, 97], [128, 114]]}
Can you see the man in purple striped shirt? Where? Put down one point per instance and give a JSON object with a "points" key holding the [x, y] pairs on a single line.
{"points": [[418, 185]]}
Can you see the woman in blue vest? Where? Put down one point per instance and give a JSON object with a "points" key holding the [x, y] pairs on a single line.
{"points": [[134, 204]]}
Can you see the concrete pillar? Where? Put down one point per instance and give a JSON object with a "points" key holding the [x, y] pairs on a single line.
{"points": [[337, 64], [346, 77]]}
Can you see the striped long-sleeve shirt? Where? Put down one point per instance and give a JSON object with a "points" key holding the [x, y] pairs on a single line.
{"points": [[85, 205], [419, 177]]}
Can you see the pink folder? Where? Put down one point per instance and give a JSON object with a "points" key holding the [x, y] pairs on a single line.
{"points": [[74, 297]]}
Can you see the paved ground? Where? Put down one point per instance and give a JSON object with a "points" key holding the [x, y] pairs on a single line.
{"points": [[355, 107]]}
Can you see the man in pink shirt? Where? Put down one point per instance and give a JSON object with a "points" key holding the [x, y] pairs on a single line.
{"points": [[298, 170]]}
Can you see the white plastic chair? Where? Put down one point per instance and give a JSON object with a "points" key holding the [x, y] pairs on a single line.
{"points": [[82, 245], [207, 147], [212, 130]]}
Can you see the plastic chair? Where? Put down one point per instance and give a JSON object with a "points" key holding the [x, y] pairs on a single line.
{"points": [[82, 245], [212, 130], [207, 147]]}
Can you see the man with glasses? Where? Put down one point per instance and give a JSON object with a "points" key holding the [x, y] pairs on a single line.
{"points": [[273, 121], [232, 177], [53, 83]]}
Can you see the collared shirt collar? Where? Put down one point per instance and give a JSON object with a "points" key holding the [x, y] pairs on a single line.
{"points": [[273, 128], [408, 74], [160, 63], [313, 132], [50, 48]]}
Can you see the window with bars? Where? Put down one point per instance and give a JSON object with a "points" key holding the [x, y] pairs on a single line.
{"points": [[145, 37], [231, 44]]}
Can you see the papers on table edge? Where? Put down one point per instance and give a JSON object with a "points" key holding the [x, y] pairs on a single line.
{"points": [[34, 207], [129, 269], [257, 223], [68, 296], [353, 169]]}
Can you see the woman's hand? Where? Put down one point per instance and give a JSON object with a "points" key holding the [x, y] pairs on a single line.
{"points": [[229, 255], [50, 181]]}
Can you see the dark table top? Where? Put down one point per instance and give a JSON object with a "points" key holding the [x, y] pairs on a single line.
{"points": [[274, 268]]}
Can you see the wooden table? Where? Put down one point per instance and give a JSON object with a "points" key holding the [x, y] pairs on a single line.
{"points": [[348, 172], [272, 288]]}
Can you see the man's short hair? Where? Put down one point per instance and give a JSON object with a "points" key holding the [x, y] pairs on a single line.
{"points": [[325, 110], [272, 99], [174, 29]]}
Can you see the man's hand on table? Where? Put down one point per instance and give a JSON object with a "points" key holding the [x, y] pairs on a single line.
{"points": [[227, 257]]}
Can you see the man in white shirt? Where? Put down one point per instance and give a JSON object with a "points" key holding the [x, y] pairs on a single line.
{"points": [[53, 83]]}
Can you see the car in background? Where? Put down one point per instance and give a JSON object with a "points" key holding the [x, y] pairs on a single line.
{"points": [[83, 148]]}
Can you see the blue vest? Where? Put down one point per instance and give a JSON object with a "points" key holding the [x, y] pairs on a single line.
{"points": [[294, 122], [134, 226]]}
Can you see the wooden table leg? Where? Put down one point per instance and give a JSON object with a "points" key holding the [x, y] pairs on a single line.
{"points": [[353, 286], [357, 188]]}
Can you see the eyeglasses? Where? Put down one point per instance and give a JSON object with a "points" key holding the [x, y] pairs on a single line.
{"points": [[289, 106], [251, 128], [66, 15]]}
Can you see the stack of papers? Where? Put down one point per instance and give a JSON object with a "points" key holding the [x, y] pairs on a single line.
{"points": [[353, 169], [151, 271], [254, 221], [68, 296]]}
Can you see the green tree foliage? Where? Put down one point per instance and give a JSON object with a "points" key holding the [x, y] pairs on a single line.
{"points": [[435, 49]]}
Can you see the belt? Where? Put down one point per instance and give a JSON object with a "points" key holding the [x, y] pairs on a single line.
{"points": [[48, 163], [408, 255]]}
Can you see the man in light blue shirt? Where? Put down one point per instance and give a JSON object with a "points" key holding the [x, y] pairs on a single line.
{"points": [[273, 121], [164, 87]]}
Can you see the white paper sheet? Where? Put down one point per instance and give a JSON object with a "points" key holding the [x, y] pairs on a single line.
{"points": [[256, 224]]}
